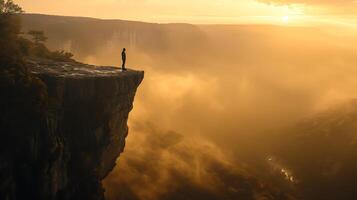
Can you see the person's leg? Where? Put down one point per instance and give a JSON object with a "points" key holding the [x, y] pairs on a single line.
{"points": [[123, 66]]}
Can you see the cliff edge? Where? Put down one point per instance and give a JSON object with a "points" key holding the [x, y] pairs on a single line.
{"points": [[69, 153]]}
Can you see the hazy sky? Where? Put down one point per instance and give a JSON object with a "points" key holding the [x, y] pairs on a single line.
{"points": [[204, 11]]}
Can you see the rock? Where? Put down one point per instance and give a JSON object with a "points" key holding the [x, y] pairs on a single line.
{"points": [[77, 144]]}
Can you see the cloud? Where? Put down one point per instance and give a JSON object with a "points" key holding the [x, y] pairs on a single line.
{"points": [[325, 6], [312, 2], [165, 165]]}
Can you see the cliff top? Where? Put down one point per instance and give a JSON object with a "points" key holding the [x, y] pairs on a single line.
{"points": [[73, 69]]}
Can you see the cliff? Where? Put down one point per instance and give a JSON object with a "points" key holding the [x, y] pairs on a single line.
{"points": [[68, 153]]}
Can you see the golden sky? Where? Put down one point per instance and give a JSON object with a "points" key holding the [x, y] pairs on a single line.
{"points": [[203, 11]]}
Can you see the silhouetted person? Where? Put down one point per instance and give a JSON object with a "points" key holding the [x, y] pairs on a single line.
{"points": [[123, 57]]}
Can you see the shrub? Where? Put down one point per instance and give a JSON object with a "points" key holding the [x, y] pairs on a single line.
{"points": [[61, 56]]}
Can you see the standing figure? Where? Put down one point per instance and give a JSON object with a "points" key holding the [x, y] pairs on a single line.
{"points": [[123, 57]]}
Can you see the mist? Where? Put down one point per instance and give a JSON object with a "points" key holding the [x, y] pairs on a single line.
{"points": [[227, 111]]}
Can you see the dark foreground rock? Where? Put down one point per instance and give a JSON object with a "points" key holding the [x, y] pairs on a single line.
{"points": [[68, 153]]}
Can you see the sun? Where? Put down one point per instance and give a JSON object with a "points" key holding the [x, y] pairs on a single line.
{"points": [[285, 19]]}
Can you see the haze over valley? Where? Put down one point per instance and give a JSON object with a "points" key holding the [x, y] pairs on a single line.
{"points": [[227, 111]]}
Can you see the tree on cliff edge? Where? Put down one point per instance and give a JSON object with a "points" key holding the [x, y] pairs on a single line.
{"points": [[9, 7], [10, 55]]}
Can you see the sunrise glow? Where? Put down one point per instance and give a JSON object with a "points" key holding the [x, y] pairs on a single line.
{"points": [[285, 19], [178, 99], [199, 12]]}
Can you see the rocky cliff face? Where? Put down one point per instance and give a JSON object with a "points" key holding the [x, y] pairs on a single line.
{"points": [[68, 153]]}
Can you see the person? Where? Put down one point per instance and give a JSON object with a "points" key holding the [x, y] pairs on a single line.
{"points": [[123, 57]]}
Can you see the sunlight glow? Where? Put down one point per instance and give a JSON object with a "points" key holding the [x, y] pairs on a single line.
{"points": [[160, 11], [197, 12], [285, 19]]}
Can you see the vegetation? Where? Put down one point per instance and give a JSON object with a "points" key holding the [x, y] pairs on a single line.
{"points": [[38, 37], [9, 31], [23, 105], [9, 7], [23, 96], [15, 48], [37, 47], [61, 56]]}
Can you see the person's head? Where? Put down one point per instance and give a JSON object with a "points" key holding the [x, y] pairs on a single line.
{"points": [[124, 49]]}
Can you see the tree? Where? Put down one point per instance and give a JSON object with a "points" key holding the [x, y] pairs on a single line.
{"points": [[38, 36], [9, 34], [9, 7]]}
